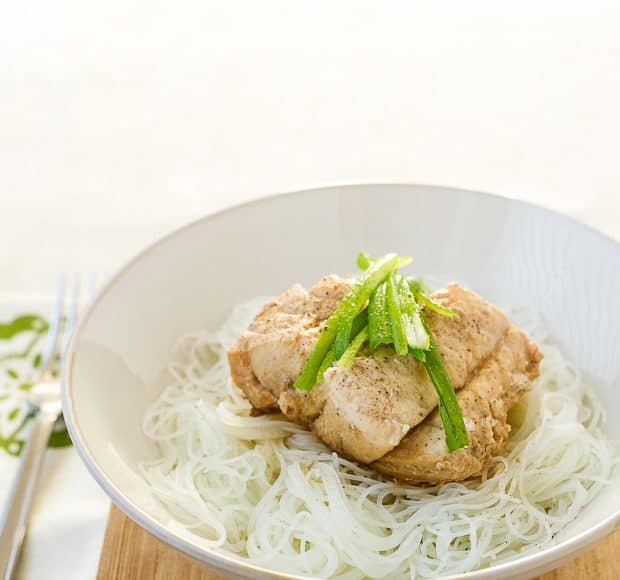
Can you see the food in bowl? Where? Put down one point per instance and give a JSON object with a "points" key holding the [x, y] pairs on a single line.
{"points": [[361, 429]]}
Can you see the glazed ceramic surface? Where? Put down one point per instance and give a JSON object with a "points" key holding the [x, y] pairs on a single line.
{"points": [[510, 252]]}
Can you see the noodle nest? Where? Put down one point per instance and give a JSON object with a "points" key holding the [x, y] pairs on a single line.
{"points": [[268, 491]]}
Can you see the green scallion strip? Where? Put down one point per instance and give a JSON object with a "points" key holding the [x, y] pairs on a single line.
{"points": [[418, 353], [395, 315], [451, 439], [360, 321], [328, 360], [449, 409], [418, 285], [430, 304], [364, 261], [417, 337], [346, 360], [379, 330], [421, 292], [337, 330], [357, 297]]}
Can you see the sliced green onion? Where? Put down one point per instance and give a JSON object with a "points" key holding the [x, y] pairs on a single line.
{"points": [[430, 304], [418, 353], [379, 330], [346, 360], [328, 360], [395, 315], [337, 330], [417, 337], [360, 321], [358, 295], [451, 439], [421, 292], [418, 285], [364, 261], [449, 409]]}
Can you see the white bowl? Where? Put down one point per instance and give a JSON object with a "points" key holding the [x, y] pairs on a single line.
{"points": [[511, 252]]}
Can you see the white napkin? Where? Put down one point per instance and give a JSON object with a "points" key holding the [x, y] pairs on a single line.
{"points": [[69, 516]]}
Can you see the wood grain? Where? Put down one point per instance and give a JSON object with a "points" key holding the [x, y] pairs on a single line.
{"points": [[130, 553]]}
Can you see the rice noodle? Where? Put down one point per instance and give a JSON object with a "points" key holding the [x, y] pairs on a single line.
{"points": [[270, 492]]}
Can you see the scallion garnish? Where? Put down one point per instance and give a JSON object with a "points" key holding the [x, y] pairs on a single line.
{"points": [[364, 261], [360, 322], [449, 409], [337, 330], [395, 316], [346, 360], [359, 294], [418, 287], [383, 307], [418, 353], [379, 331], [417, 337]]}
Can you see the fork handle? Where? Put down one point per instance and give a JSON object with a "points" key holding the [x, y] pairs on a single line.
{"points": [[15, 516]]}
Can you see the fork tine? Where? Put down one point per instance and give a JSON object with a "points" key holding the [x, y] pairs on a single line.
{"points": [[54, 327], [72, 312]]}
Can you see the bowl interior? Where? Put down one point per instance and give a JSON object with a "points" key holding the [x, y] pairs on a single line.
{"points": [[510, 252]]}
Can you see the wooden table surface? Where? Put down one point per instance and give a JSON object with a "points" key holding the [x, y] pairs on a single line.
{"points": [[130, 553]]}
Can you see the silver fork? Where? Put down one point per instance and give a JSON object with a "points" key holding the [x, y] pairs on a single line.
{"points": [[45, 399]]}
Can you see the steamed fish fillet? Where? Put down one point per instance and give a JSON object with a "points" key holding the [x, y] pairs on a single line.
{"points": [[366, 411], [269, 355], [500, 382]]}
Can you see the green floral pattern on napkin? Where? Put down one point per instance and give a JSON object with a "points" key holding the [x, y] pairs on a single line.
{"points": [[21, 342]]}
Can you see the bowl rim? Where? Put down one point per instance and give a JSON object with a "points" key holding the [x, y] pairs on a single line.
{"points": [[564, 551]]}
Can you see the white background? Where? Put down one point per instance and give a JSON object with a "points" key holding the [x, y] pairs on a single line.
{"points": [[122, 120]]}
